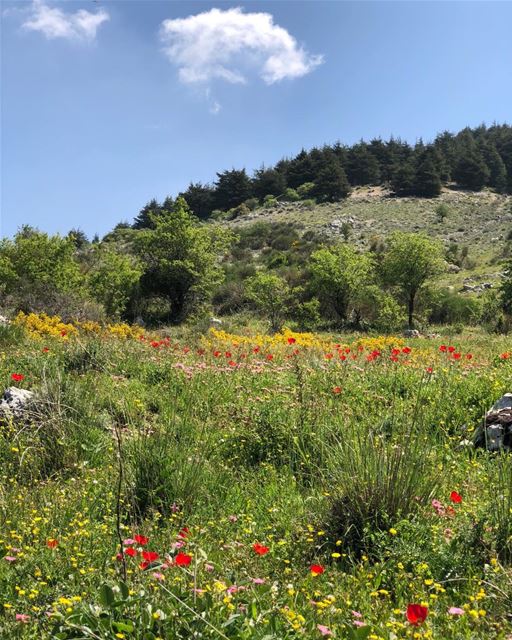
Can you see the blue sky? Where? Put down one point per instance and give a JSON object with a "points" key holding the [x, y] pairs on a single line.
{"points": [[105, 105]]}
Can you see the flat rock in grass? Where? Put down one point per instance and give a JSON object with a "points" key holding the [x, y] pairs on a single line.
{"points": [[15, 402], [3, 320], [412, 333], [495, 432]]}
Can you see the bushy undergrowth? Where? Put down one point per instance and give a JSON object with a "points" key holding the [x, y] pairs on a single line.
{"points": [[238, 486]]}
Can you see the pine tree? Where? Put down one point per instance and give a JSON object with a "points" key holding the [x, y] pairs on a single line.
{"points": [[471, 172], [200, 198], [496, 166], [403, 178], [363, 167], [232, 188], [146, 217], [426, 180], [268, 182], [331, 184], [300, 170]]}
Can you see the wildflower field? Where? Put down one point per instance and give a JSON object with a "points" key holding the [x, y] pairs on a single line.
{"points": [[244, 486]]}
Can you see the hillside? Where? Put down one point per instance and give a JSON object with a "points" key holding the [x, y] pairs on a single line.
{"points": [[480, 221]]}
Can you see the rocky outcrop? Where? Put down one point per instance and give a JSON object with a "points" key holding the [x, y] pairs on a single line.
{"points": [[495, 432], [15, 403]]}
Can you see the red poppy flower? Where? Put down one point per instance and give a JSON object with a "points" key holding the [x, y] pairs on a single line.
{"points": [[45, 349], [17, 377], [316, 569], [429, 369], [144, 565], [155, 344], [456, 356], [216, 354], [183, 560], [63, 333], [406, 350], [270, 356], [469, 356], [150, 556], [256, 350], [328, 356], [183, 532], [292, 340], [142, 540], [260, 549], [505, 356], [232, 363], [455, 497], [228, 354], [451, 349], [336, 390], [51, 543], [394, 359], [443, 348], [131, 552], [343, 357], [416, 614], [395, 352]]}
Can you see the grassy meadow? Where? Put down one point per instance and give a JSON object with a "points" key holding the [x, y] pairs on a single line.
{"points": [[221, 485]]}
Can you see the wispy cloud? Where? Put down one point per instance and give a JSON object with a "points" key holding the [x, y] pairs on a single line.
{"points": [[227, 44], [53, 22]]}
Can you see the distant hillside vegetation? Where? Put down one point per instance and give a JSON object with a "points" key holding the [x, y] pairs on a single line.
{"points": [[472, 159]]}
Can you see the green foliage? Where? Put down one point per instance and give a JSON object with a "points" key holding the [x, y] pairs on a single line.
{"points": [[506, 289], [305, 189], [442, 211], [331, 184], [271, 295], [113, 279], [410, 262], [471, 172], [180, 260], [339, 277], [231, 189], [35, 260], [291, 195]]}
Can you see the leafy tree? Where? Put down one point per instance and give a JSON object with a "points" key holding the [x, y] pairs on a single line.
{"points": [[113, 279], [180, 260], [331, 184], [232, 188], [200, 198], [271, 295], [410, 262], [338, 276], [35, 261]]}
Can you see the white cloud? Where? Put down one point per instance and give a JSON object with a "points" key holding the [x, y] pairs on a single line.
{"points": [[222, 44], [55, 23]]}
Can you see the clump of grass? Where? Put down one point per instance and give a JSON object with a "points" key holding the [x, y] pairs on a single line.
{"points": [[376, 479]]}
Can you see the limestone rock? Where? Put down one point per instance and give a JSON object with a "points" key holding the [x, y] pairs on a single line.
{"points": [[495, 432], [15, 402]]}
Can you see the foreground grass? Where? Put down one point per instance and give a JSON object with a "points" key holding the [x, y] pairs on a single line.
{"points": [[253, 487]]}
